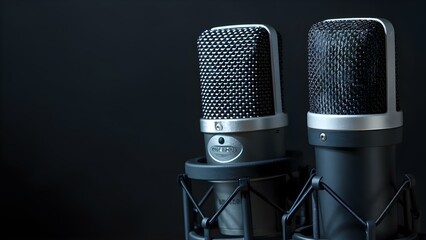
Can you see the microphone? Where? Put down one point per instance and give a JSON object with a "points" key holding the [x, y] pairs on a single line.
{"points": [[354, 122], [242, 116]]}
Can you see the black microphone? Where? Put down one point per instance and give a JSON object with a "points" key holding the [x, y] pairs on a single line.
{"points": [[242, 115], [354, 122]]}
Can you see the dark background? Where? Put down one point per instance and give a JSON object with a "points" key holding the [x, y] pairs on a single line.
{"points": [[100, 106]]}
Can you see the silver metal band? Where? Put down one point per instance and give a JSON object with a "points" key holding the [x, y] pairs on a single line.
{"points": [[243, 125], [355, 122]]}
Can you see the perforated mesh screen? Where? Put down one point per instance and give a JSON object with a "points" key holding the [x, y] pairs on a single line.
{"points": [[235, 73], [347, 67]]}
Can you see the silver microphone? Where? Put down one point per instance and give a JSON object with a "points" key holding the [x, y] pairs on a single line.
{"points": [[242, 115]]}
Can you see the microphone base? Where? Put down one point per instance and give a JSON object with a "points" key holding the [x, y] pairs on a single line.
{"points": [[306, 233], [199, 235]]}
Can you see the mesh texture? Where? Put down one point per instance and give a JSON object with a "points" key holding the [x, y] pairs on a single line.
{"points": [[347, 68], [235, 73]]}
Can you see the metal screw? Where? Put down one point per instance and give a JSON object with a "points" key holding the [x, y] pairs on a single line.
{"points": [[323, 137], [218, 127]]}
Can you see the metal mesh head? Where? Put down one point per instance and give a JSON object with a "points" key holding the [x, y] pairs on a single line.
{"points": [[347, 67], [235, 73]]}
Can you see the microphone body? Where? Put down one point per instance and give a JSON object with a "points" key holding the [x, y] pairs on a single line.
{"points": [[354, 122], [363, 176], [243, 117]]}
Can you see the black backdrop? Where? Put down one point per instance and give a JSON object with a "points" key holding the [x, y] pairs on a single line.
{"points": [[100, 105]]}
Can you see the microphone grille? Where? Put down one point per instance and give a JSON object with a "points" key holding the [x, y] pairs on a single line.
{"points": [[235, 73], [347, 67]]}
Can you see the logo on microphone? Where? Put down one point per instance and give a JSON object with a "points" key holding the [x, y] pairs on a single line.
{"points": [[224, 149]]}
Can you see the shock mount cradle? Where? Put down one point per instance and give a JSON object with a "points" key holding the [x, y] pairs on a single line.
{"points": [[242, 173], [314, 184]]}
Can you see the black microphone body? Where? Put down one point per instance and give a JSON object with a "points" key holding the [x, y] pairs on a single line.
{"points": [[243, 117], [363, 176], [354, 122]]}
